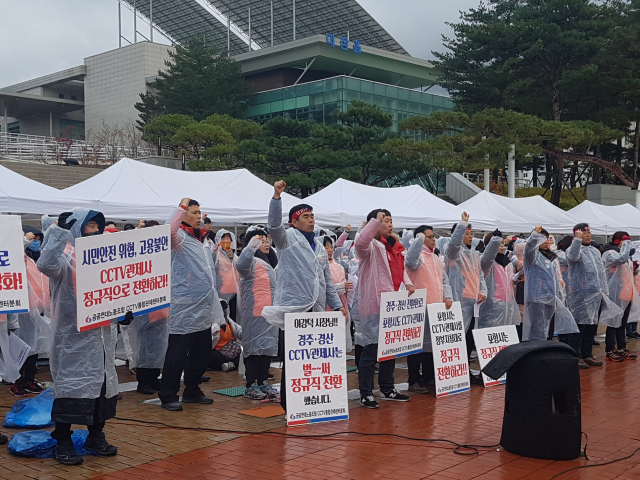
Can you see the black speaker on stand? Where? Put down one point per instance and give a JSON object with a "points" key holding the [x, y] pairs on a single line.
{"points": [[542, 416]]}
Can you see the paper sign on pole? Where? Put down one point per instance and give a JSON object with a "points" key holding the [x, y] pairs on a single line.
{"points": [[14, 295], [489, 341], [18, 350], [402, 320], [316, 367], [122, 272], [450, 361]]}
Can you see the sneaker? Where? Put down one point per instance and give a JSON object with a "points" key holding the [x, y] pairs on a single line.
{"points": [[473, 355], [591, 361], [66, 454], [596, 343], [98, 444], [33, 387], [582, 364], [202, 399], [626, 354], [635, 334], [268, 389], [204, 379], [394, 395], [614, 357], [270, 377], [226, 367], [172, 406], [3, 439], [145, 389], [18, 390], [475, 379], [418, 388], [254, 392], [369, 402]]}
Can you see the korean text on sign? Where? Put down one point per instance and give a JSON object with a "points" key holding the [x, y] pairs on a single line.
{"points": [[122, 272], [402, 324], [450, 363], [14, 295], [489, 341], [316, 378]]}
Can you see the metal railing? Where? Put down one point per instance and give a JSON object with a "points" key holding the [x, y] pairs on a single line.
{"points": [[39, 149]]}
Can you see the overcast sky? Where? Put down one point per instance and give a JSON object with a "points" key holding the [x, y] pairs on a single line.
{"points": [[38, 37]]}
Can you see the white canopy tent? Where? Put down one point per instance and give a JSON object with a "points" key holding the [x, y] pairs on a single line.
{"points": [[21, 195], [521, 215], [612, 218], [409, 206]]}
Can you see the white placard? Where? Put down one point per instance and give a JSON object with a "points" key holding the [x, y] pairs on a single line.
{"points": [[402, 323], [489, 341], [316, 367], [14, 296], [122, 272], [450, 361]]}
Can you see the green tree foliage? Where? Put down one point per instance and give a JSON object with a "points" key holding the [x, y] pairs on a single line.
{"points": [[165, 127]]}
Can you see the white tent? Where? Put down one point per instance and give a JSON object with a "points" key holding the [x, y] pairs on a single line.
{"points": [[521, 215], [19, 194], [410, 206], [610, 218], [131, 190]]}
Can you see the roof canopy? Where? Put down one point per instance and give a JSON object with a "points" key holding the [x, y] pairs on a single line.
{"points": [[608, 218]]}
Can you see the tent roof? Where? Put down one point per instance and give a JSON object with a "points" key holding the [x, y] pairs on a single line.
{"points": [[410, 206], [610, 218]]}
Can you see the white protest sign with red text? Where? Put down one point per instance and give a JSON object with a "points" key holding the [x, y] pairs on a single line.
{"points": [[14, 295], [122, 272], [450, 363], [402, 320], [489, 341]]}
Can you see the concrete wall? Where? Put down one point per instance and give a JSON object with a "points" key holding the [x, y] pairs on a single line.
{"points": [[115, 81], [459, 189], [611, 194]]}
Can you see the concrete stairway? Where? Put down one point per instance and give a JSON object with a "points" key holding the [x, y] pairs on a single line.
{"points": [[57, 176]]}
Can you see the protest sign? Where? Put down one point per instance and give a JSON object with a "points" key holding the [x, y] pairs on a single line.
{"points": [[14, 295], [401, 330], [316, 367], [122, 272], [450, 361], [489, 341]]}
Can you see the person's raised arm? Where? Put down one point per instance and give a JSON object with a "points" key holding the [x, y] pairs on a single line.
{"points": [[176, 221], [343, 237], [615, 259], [531, 247], [455, 242], [573, 252], [52, 261], [363, 242], [245, 261], [276, 229], [412, 259], [490, 252]]}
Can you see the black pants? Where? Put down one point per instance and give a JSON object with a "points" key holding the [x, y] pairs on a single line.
{"points": [[471, 344], [28, 370], [257, 369], [617, 335], [358, 354], [574, 340], [283, 381], [233, 307], [587, 336], [424, 359], [190, 353], [217, 360], [148, 377]]}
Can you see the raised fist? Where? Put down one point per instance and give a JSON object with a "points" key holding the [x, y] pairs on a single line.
{"points": [[465, 217], [278, 188]]}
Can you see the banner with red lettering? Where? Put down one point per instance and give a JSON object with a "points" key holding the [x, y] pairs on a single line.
{"points": [[489, 341], [14, 296], [122, 272], [402, 321], [450, 361]]}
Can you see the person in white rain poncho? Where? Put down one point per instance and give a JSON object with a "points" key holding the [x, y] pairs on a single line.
{"points": [[194, 307], [303, 281], [587, 292], [622, 291], [544, 311], [256, 269], [425, 269], [226, 274], [85, 384], [342, 286], [500, 307]]}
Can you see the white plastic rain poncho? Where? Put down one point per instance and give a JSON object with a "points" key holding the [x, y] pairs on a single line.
{"points": [[374, 279], [302, 273], [500, 307], [441, 244], [195, 304], [425, 270], [543, 294], [462, 265], [257, 287], [339, 279], [80, 361], [352, 297], [149, 337], [34, 327], [622, 289], [588, 289], [226, 274], [46, 222], [8, 371]]}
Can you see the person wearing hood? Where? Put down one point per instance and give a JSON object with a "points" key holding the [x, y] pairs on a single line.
{"points": [[33, 239], [85, 384], [303, 283], [226, 275], [425, 270], [341, 284], [194, 307], [619, 268], [500, 308], [587, 292], [381, 270], [256, 269]]}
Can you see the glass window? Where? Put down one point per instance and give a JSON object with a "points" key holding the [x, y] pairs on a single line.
{"points": [[366, 87], [289, 104], [276, 106], [331, 96], [353, 84], [351, 95], [317, 99], [403, 94], [272, 96], [302, 90], [391, 91], [366, 97], [426, 109], [13, 127], [330, 84], [302, 101], [415, 96], [264, 108], [391, 103], [288, 92], [378, 100], [252, 111], [438, 100], [315, 87], [379, 89], [403, 105]]}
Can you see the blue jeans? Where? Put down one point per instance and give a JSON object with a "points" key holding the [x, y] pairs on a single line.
{"points": [[366, 371], [632, 327]]}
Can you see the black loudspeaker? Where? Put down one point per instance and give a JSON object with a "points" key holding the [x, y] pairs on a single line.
{"points": [[542, 417]]}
